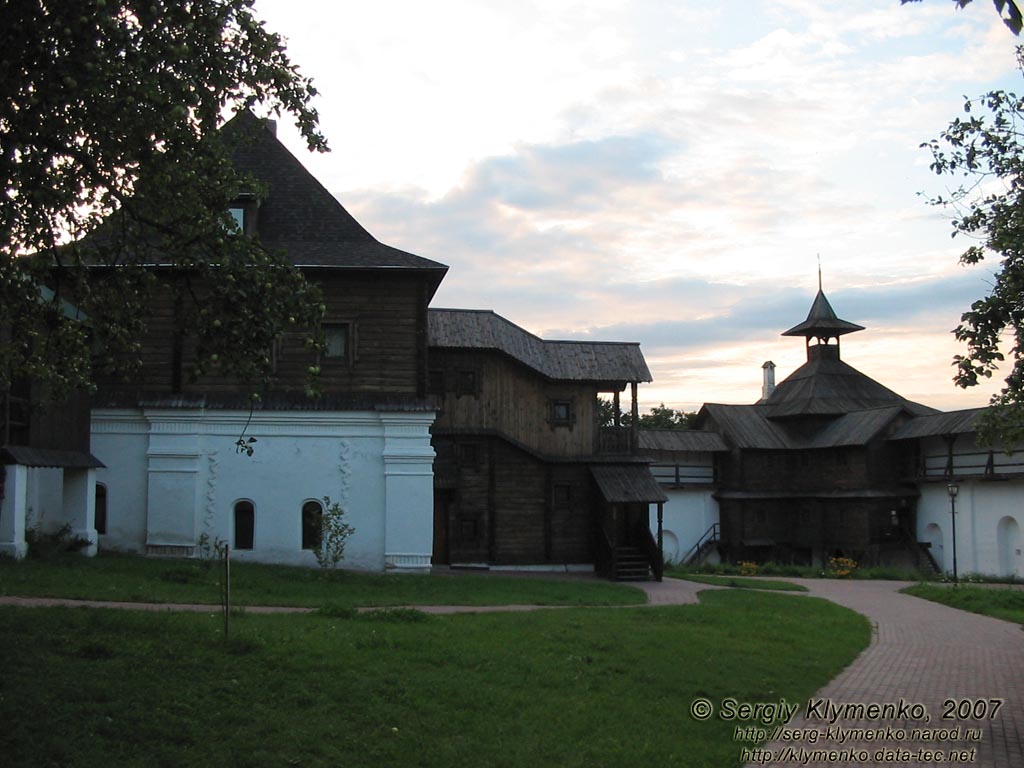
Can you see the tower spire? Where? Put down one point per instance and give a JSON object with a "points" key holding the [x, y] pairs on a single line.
{"points": [[819, 272]]}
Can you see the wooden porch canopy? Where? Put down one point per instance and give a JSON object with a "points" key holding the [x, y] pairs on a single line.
{"points": [[626, 484], [48, 457]]}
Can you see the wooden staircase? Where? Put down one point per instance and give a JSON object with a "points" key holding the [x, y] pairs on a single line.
{"points": [[631, 564]]}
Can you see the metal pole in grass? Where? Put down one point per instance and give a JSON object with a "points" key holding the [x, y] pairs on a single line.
{"points": [[227, 588]]}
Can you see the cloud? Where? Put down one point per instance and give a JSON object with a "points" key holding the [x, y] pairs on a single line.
{"points": [[664, 172]]}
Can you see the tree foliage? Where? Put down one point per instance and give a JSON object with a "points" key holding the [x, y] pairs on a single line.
{"points": [[985, 151], [112, 161], [660, 417], [1008, 10]]}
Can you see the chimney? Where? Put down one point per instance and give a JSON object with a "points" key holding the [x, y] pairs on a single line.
{"points": [[270, 125], [768, 380]]}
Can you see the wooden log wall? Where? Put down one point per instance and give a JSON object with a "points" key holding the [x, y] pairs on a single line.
{"points": [[515, 401], [510, 508], [387, 342]]}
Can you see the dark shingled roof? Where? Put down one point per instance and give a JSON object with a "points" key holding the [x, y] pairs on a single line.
{"points": [[749, 426], [557, 360], [822, 322], [937, 424], [695, 440], [626, 484], [300, 216], [825, 385], [48, 457]]}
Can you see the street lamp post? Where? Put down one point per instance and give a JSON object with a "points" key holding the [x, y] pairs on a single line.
{"points": [[954, 488]]}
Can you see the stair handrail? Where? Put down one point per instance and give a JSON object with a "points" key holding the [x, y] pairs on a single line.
{"points": [[710, 536], [607, 555], [911, 540], [650, 548]]}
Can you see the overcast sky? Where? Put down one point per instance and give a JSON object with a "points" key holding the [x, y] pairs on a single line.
{"points": [[665, 172]]}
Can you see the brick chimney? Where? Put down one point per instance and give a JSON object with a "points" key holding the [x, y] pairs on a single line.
{"points": [[767, 380]]}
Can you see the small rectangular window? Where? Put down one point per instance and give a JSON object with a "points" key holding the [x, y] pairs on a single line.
{"points": [[562, 496], [562, 413], [435, 382], [466, 383], [238, 214], [336, 341], [469, 455]]}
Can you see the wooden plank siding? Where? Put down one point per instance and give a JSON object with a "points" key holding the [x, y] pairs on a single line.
{"points": [[511, 508], [385, 314], [512, 400]]}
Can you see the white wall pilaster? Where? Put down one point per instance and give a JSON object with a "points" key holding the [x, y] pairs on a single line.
{"points": [[409, 490], [79, 508], [12, 512]]}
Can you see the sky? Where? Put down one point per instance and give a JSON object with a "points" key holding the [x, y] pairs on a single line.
{"points": [[666, 172]]}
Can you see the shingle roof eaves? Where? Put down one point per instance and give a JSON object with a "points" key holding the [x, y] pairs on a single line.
{"points": [[937, 424], [558, 360], [627, 484], [693, 440]]}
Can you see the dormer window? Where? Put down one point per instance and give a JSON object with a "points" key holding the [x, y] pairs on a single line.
{"points": [[238, 214], [243, 211]]}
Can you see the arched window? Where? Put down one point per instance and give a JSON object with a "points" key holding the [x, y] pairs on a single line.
{"points": [[100, 518], [312, 524], [245, 524]]}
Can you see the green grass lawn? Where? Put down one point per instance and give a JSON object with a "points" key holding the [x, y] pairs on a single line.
{"points": [[111, 577], [575, 687], [1002, 603], [739, 581]]}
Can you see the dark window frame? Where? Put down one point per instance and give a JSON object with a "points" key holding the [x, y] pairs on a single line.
{"points": [[468, 455], [244, 535], [100, 510], [467, 382], [436, 381], [312, 521], [556, 416], [347, 357]]}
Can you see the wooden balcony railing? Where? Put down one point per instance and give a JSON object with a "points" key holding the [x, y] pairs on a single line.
{"points": [[612, 441]]}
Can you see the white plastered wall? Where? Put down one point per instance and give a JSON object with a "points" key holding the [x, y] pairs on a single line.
{"points": [[174, 474], [988, 513], [687, 515]]}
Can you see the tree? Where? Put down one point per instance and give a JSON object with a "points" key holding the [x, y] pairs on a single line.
{"points": [[1011, 19], [111, 161], [660, 417], [985, 150]]}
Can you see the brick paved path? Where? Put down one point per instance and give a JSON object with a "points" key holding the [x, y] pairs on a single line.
{"points": [[920, 653]]}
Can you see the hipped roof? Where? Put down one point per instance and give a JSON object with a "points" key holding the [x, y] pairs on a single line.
{"points": [[749, 426], [590, 361], [301, 217], [826, 386]]}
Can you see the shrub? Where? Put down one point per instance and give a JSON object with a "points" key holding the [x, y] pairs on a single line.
{"points": [[45, 545], [841, 567], [748, 568], [330, 549]]}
